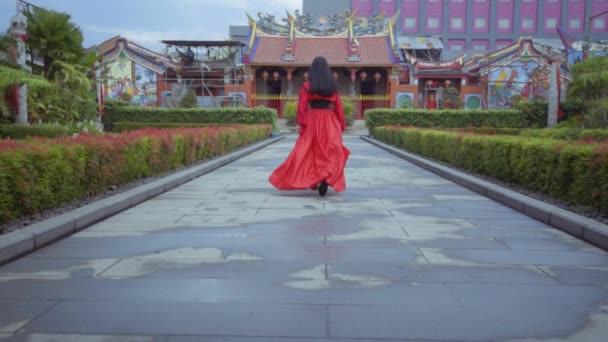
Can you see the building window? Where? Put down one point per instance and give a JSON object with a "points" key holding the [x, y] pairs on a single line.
{"points": [[527, 23], [575, 23], [502, 43], [550, 23], [504, 23], [480, 23], [409, 23], [456, 47], [598, 23], [433, 23], [457, 23]]}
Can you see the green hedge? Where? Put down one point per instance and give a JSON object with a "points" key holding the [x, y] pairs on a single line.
{"points": [[567, 133], [444, 118], [576, 173], [24, 131], [131, 126], [258, 115], [37, 175]]}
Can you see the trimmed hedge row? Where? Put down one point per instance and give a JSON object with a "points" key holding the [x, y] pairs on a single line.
{"points": [[43, 174], [24, 131], [233, 116], [576, 173], [131, 126], [567, 133], [599, 134], [445, 118]]}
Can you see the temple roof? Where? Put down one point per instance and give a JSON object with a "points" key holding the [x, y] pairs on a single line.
{"points": [[372, 51], [120, 46]]}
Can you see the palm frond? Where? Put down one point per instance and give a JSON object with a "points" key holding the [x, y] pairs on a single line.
{"points": [[10, 77]]}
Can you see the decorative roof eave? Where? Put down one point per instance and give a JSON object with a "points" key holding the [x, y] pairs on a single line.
{"points": [[513, 50], [454, 64], [135, 53], [338, 25], [346, 64]]}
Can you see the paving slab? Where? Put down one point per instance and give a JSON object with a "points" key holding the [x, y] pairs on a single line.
{"points": [[401, 255]]}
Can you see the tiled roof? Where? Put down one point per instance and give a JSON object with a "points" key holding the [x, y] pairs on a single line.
{"points": [[372, 51]]}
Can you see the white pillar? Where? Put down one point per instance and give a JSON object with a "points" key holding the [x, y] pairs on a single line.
{"points": [[18, 30], [553, 96]]}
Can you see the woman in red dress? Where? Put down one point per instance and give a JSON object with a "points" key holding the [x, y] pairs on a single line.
{"points": [[318, 159]]}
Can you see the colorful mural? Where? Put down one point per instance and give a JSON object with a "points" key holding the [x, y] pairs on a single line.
{"points": [[527, 79], [472, 101], [145, 87], [125, 76], [404, 100]]}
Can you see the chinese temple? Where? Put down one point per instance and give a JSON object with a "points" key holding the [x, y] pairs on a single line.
{"points": [[361, 52]]}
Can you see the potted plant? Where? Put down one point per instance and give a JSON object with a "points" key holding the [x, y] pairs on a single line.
{"points": [[348, 112], [290, 112]]}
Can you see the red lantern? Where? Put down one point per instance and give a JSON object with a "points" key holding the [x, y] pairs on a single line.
{"points": [[335, 75], [377, 76], [275, 75], [363, 75], [265, 75], [306, 75]]}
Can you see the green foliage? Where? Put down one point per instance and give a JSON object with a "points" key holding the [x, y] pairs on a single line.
{"points": [[348, 112], [256, 115], [189, 101], [54, 36], [290, 112], [130, 126], [10, 76], [445, 118], [70, 98], [452, 99], [7, 44], [25, 131], [572, 108], [590, 78], [126, 97], [576, 173], [536, 112], [568, 133], [39, 175], [597, 116]]}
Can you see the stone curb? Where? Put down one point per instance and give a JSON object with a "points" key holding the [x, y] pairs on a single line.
{"points": [[28, 239], [581, 227]]}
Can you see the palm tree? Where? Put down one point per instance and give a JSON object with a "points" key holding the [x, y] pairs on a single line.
{"points": [[590, 78], [7, 44], [11, 76], [54, 37]]}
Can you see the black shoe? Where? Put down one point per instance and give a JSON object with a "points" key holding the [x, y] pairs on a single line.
{"points": [[323, 188]]}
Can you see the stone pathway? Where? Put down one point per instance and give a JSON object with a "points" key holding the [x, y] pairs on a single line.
{"points": [[401, 255]]}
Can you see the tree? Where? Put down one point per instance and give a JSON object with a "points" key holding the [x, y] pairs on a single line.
{"points": [[590, 78], [7, 44], [189, 101], [10, 77], [54, 37]]}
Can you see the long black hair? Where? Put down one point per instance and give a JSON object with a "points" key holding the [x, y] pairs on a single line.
{"points": [[321, 81]]}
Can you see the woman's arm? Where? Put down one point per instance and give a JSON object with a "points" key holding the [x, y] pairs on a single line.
{"points": [[339, 110], [302, 113]]}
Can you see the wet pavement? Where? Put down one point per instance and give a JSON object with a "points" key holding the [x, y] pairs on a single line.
{"points": [[401, 255]]}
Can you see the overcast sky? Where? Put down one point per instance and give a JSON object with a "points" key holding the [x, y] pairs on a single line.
{"points": [[149, 21]]}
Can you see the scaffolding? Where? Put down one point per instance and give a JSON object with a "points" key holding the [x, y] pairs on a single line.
{"points": [[210, 68]]}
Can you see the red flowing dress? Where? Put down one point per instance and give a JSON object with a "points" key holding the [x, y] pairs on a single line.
{"points": [[318, 153]]}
